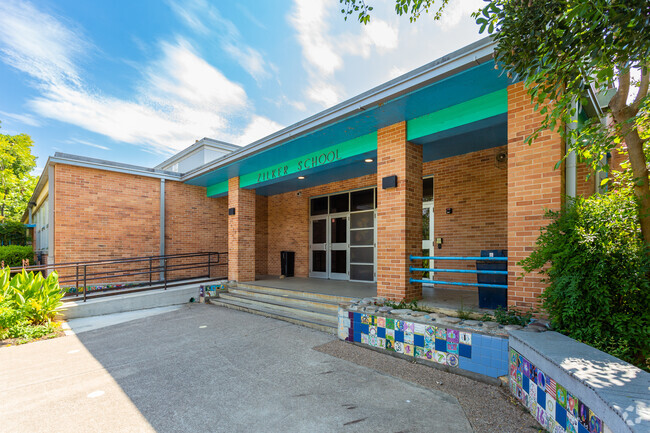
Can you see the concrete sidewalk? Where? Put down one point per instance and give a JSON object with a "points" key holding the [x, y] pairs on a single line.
{"points": [[207, 369]]}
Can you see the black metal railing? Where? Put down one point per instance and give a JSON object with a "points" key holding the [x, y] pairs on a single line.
{"points": [[133, 274]]}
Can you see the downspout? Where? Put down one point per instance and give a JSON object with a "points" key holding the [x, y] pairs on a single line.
{"points": [[571, 166], [162, 226]]}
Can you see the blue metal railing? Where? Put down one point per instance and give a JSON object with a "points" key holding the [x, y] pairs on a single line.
{"points": [[458, 271]]}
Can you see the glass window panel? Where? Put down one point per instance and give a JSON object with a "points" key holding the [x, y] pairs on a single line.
{"points": [[362, 255], [362, 237], [319, 206], [318, 261], [339, 261], [426, 224], [339, 230], [339, 203], [361, 272], [363, 200], [362, 220], [425, 263], [319, 231], [427, 189]]}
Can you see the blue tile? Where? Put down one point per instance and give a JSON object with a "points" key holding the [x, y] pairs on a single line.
{"points": [[441, 345], [418, 340], [492, 372], [541, 398], [560, 414], [495, 362], [525, 384], [464, 363], [582, 429], [465, 350], [381, 332], [357, 337], [477, 340], [480, 370], [357, 317], [399, 336], [365, 328], [502, 371]]}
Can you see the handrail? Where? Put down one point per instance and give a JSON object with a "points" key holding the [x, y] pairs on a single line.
{"points": [[84, 272], [458, 271], [496, 259]]}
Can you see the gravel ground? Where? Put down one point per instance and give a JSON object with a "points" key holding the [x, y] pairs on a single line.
{"points": [[488, 408]]}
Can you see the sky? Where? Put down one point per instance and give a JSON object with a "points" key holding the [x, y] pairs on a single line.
{"points": [[138, 81]]}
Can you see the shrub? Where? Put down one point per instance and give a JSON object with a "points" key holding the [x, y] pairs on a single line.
{"points": [[13, 233], [594, 259], [13, 255]]}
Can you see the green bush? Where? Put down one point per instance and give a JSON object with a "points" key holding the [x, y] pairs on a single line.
{"points": [[593, 258], [28, 303], [13, 255], [13, 233]]}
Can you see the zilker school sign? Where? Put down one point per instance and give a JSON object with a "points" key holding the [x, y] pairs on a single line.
{"points": [[328, 155]]}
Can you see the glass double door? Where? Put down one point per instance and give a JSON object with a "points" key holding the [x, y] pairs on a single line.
{"points": [[342, 246]]}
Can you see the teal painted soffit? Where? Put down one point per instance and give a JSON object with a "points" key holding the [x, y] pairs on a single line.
{"points": [[218, 189], [476, 109]]}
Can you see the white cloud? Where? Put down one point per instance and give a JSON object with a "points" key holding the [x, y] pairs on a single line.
{"points": [[182, 97], [26, 119], [259, 127], [378, 34], [457, 10], [87, 143], [204, 18]]}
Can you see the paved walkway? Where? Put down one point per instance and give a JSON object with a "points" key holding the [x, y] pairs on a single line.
{"points": [[206, 369]]}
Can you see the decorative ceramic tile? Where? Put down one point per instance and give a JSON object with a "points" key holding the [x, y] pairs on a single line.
{"points": [[561, 395], [419, 352], [532, 392], [429, 343], [409, 338], [390, 345], [390, 323], [526, 368], [550, 405], [381, 322], [381, 343], [419, 328], [440, 357], [372, 340], [452, 348], [365, 319], [343, 332], [429, 354], [399, 325], [466, 337], [541, 416], [399, 347], [595, 424], [430, 331], [541, 379], [533, 373], [345, 322], [408, 349], [372, 331], [452, 360], [441, 333], [452, 336], [571, 423], [583, 414], [390, 334], [409, 327], [364, 339], [572, 405], [550, 386]]}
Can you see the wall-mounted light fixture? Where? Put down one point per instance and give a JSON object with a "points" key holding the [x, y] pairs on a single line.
{"points": [[301, 177], [389, 182], [368, 159], [231, 211]]}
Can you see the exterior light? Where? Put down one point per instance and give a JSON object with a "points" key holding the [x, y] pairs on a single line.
{"points": [[368, 159], [301, 177]]}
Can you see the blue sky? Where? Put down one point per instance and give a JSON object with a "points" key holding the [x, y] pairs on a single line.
{"points": [[137, 81]]}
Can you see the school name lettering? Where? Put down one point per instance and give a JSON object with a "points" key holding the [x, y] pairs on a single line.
{"points": [[303, 164]]}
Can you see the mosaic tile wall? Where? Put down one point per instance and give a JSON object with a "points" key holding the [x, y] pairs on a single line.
{"points": [[458, 348], [548, 401]]}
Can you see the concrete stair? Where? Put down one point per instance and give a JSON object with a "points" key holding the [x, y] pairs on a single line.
{"points": [[313, 310]]}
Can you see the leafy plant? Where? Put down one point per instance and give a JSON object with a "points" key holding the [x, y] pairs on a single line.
{"points": [[464, 314], [13, 233], [509, 317], [403, 305], [594, 259]]}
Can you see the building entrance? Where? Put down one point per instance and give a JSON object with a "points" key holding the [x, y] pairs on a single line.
{"points": [[342, 236]]}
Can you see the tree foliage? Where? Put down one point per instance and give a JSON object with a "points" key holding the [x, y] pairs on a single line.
{"points": [[16, 181]]}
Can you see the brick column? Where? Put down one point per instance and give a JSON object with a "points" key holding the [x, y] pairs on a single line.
{"points": [[241, 232], [533, 186], [399, 213]]}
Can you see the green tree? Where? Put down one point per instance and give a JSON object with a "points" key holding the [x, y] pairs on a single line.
{"points": [[16, 181], [560, 49]]}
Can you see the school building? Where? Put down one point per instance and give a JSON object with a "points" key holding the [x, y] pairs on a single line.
{"points": [[430, 164]]}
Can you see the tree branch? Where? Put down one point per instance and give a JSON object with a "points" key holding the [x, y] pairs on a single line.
{"points": [[643, 88], [620, 98]]}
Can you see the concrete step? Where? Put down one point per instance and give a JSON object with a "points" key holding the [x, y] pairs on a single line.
{"points": [[315, 313], [287, 297], [293, 315], [295, 293]]}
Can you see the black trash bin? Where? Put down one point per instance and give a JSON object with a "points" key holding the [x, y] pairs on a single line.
{"points": [[287, 260], [492, 297]]}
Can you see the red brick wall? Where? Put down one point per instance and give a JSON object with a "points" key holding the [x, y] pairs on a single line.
{"points": [[399, 213], [241, 232], [474, 186], [195, 223], [533, 185], [261, 235], [101, 215]]}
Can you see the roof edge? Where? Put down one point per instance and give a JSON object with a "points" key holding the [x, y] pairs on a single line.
{"points": [[205, 141]]}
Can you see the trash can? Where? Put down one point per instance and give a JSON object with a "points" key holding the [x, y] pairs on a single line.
{"points": [[492, 297], [287, 259]]}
